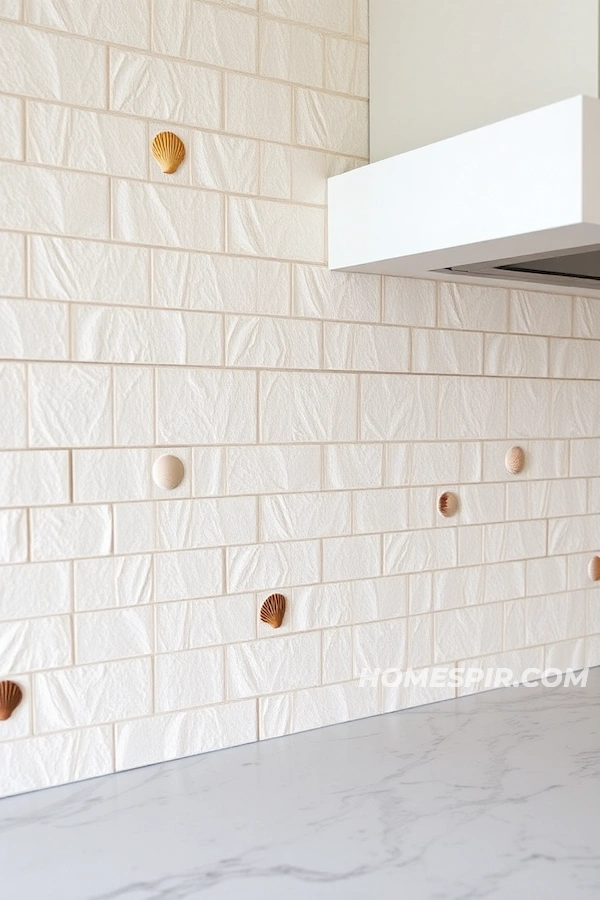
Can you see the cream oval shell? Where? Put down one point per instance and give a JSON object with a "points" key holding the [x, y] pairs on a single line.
{"points": [[169, 151], [448, 505], [168, 472], [594, 568], [515, 460]]}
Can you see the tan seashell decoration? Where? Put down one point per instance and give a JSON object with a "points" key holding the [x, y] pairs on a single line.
{"points": [[594, 568], [168, 472], [169, 151], [273, 610], [515, 460], [448, 505], [10, 697]]}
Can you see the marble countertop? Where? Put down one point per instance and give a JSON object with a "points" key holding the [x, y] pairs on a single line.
{"points": [[493, 796]]}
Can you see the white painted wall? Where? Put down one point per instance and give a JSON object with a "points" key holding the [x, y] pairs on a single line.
{"points": [[443, 67], [319, 415]]}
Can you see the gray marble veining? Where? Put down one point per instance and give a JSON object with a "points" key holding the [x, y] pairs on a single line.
{"points": [[493, 796]]}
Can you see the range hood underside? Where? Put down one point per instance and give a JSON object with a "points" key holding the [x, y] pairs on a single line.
{"points": [[516, 202]]}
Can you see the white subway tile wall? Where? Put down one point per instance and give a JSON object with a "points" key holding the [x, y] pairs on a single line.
{"points": [[318, 415]]}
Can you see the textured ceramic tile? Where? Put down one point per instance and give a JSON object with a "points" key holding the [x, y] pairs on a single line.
{"points": [[337, 655], [113, 634], [458, 587], [546, 576], [78, 139], [367, 348], [467, 632], [351, 557], [12, 265], [331, 123], [292, 53], [321, 294], [188, 574], [420, 550], [380, 510], [575, 409], [275, 715], [202, 623], [586, 317], [70, 532], [10, 9], [275, 173], [409, 301], [221, 283], [212, 406], [300, 516], [307, 407], [258, 108], [189, 678], [114, 581], [13, 536], [30, 330], [272, 566], [447, 352], [322, 706], [133, 397], [555, 618], [278, 230], [347, 67], [516, 355], [574, 359], [472, 408], [205, 523], [50, 66], [163, 89], [274, 665], [330, 16], [108, 20], [380, 645], [92, 695], [105, 475], [397, 407], [574, 534], [69, 405], [208, 471], [157, 738], [11, 139], [163, 215], [474, 307], [41, 762], [134, 527], [225, 163], [63, 269], [35, 590], [34, 477], [272, 343], [270, 470], [310, 171], [539, 313], [48, 200], [515, 540], [353, 465], [206, 32], [33, 644]]}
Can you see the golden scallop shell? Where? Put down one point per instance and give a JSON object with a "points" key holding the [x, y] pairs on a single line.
{"points": [[447, 505], [169, 151], [10, 697], [168, 472], [273, 610], [594, 568], [515, 460]]}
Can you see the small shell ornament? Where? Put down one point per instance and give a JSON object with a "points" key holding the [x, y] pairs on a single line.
{"points": [[448, 505], [273, 610], [515, 460], [594, 568], [168, 472], [169, 151], [10, 697]]}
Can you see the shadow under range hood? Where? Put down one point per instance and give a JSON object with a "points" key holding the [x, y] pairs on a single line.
{"points": [[485, 146]]}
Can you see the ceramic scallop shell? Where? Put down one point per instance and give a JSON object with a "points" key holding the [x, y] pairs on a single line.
{"points": [[168, 472], [10, 697], [594, 568], [273, 610], [169, 151], [447, 505], [515, 460]]}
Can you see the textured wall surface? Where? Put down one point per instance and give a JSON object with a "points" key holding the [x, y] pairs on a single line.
{"points": [[318, 415]]}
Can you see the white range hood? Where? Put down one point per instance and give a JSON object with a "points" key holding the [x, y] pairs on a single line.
{"points": [[515, 201]]}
